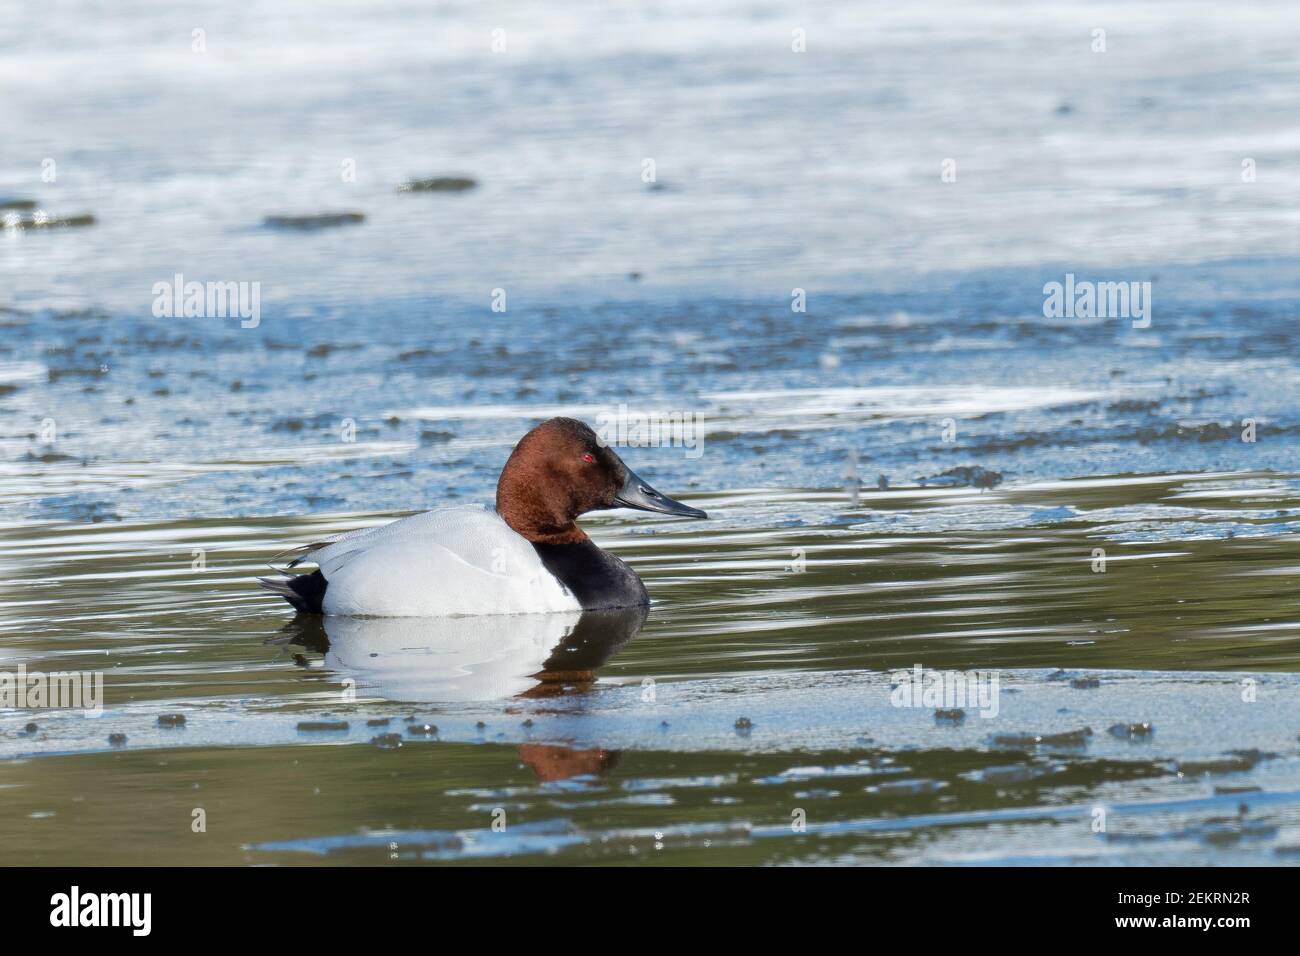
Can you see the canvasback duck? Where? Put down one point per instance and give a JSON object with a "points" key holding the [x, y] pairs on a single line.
{"points": [[527, 555]]}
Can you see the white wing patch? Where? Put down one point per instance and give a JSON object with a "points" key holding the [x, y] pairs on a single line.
{"points": [[454, 561]]}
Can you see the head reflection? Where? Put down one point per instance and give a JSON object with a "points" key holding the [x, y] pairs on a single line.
{"points": [[463, 659], [553, 762]]}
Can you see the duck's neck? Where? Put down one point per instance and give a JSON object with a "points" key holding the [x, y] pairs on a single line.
{"points": [[537, 524], [569, 534]]}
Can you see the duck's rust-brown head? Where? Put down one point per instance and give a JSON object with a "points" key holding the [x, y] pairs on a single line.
{"points": [[560, 470]]}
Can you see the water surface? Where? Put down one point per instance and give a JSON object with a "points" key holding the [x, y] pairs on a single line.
{"points": [[919, 468]]}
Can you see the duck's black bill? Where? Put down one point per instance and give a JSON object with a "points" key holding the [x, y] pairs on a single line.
{"points": [[635, 493]]}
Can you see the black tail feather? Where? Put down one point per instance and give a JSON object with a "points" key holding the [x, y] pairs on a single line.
{"points": [[306, 592]]}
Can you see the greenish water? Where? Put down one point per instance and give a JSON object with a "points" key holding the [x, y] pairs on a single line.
{"points": [[597, 735]]}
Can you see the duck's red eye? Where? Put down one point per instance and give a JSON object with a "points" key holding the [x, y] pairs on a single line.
{"points": [[588, 458]]}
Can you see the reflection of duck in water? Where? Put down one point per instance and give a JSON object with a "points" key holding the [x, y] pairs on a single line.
{"points": [[551, 762], [457, 659], [526, 556]]}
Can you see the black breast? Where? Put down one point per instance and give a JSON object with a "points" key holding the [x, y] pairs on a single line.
{"points": [[594, 577]]}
